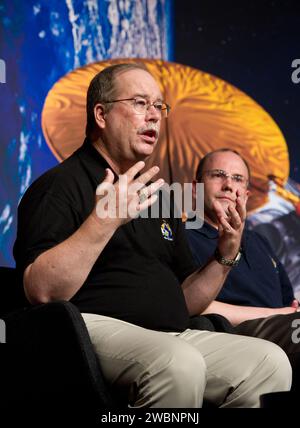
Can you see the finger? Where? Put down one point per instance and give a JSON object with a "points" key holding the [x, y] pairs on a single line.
{"points": [[135, 207], [220, 229], [235, 219], [147, 176], [106, 183], [147, 203], [109, 176], [152, 188], [219, 210], [241, 205], [241, 209], [226, 227], [134, 170]]}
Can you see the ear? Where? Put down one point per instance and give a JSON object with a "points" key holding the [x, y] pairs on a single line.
{"points": [[99, 114]]}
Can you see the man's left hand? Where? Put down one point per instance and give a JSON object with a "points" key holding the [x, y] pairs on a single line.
{"points": [[231, 225]]}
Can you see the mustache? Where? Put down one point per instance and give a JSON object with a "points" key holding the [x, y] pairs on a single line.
{"points": [[150, 127]]}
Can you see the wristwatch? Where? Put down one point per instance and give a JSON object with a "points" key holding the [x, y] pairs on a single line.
{"points": [[228, 262]]}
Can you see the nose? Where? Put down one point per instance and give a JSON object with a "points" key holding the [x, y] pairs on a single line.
{"points": [[227, 183], [152, 113]]}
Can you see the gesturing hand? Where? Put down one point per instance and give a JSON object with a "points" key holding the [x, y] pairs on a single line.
{"points": [[123, 200]]}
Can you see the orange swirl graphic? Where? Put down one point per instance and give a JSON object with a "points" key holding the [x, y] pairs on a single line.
{"points": [[207, 113]]}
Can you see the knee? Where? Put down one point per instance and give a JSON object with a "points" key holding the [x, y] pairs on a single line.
{"points": [[187, 367], [278, 366], [179, 380]]}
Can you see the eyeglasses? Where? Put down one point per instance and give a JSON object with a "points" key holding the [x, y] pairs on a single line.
{"points": [[220, 176], [141, 105]]}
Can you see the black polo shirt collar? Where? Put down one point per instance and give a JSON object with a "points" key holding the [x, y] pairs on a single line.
{"points": [[92, 160]]}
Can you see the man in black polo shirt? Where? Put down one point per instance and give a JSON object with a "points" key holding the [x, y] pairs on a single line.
{"points": [[257, 296], [132, 277]]}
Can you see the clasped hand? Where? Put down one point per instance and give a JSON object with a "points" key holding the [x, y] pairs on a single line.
{"points": [[231, 224]]}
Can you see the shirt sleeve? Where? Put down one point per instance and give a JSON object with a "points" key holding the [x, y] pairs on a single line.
{"points": [[285, 283], [43, 222]]}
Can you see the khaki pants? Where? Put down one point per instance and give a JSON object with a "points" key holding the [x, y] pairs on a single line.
{"points": [[178, 370]]}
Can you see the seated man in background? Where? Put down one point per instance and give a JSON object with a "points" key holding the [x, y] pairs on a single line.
{"points": [[257, 296], [132, 277]]}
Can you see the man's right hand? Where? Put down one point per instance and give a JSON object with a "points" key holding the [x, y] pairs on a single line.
{"points": [[118, 203]]}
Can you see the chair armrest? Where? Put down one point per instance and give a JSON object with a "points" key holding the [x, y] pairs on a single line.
{"points": [[56, 351], [211, 322]]}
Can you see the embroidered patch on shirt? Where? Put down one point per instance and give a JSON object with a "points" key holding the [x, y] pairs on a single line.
{"points": [[166, 231]]}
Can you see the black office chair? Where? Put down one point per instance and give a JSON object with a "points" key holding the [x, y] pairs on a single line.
{"points": [[48, 364]]}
